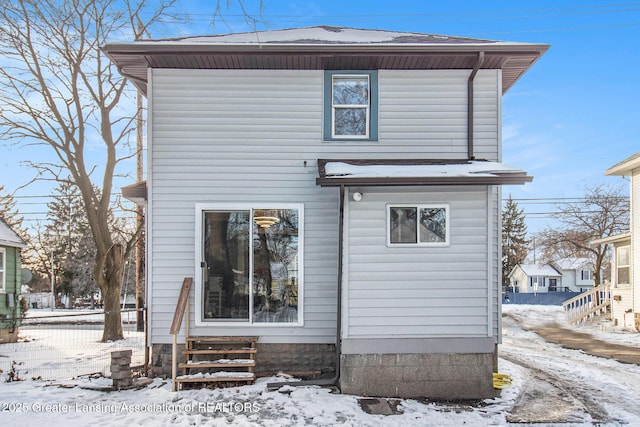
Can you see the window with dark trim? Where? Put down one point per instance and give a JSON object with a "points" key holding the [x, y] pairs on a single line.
{"points": [[418, 225], [351, 106]]}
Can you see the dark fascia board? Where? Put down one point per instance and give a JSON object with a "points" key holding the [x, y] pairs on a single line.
{"points": [[133, 59], [137, 192], [509, 178]]}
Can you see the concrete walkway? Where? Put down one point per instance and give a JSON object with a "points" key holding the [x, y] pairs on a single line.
{"points": [[575, 340]]}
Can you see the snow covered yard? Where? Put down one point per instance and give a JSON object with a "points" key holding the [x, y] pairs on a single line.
{"points": [[611, 388]]}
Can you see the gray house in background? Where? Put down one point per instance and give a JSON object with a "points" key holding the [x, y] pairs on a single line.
{"points": [[335, 192]]}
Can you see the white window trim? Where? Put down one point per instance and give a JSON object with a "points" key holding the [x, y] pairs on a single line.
{"points": [[418, 243], [3, 270], [617, 283], [200, 208], [335, 107]]}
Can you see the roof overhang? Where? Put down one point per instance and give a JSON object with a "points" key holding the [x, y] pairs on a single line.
{"points": [[137, 193], [408, 52], [416, 172], [618, 238], [625, 167]]}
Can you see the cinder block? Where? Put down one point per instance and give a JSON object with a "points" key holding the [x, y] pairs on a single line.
{"points": [[121, 353], [120, 375]]}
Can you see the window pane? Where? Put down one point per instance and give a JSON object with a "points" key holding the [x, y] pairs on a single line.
{"points": [[403, 225], [226, 255], [350, 121], [350, 90], [623, 256], [433, 225], [1, 261], [623, 275], [275, 265]]}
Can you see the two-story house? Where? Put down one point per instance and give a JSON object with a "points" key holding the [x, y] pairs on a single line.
{"points": [[625, 260], [335, 192]]}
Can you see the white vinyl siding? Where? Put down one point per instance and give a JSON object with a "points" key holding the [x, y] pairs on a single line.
{"points": [[253, 136], [418, 292]]}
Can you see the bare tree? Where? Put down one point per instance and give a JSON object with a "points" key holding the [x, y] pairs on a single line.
{"points": [[602, 212], [58, 90]]}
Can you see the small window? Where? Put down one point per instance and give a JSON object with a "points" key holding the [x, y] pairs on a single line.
{"points": [[587, 275], [418, 225], [622, 265], [351, 100]]}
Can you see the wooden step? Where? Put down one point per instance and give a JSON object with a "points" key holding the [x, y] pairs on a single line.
{"points": [[216, 377], [221, 351], [223, 339], [221, 363]]}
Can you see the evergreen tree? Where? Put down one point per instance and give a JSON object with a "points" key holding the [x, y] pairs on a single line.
{"points": [[514, 238], [67, 234]]}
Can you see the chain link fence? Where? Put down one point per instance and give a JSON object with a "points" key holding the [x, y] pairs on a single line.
{"points": [[65, 344]]}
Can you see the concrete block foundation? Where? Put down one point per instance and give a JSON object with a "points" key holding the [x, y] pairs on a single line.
{"points": [[270, 358], [454, 376]]}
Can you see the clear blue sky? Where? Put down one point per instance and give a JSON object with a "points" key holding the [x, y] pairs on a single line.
{"points": [[573, 115]]}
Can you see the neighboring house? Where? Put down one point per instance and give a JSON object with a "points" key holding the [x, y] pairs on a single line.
{"points": [[577, 274], [10, 282], [625, 265], [335, 192], [534, 279]]}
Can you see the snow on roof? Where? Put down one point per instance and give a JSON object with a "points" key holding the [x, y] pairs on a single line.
{"points": [[572, 263], [539, 270], [8, 237], [469, 169], [327, 35]]}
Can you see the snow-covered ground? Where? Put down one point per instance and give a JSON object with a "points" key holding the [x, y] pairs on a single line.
{"points": [[599, 384]]}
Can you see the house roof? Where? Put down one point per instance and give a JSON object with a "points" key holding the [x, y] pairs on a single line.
{"points": [[626, 166], [324, 48], [572, 263], [360, 172], [539, 270], [8, 237], [617, 238], [136, 192]]}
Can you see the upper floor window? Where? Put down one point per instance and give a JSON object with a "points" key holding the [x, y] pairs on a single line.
{"points": [[586, 275], [622, 265], [351, 105], [419, 225]]}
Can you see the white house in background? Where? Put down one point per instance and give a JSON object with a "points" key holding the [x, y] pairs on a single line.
{"points": [[534, 278], [625, 268], [577, 274], [365, 165]]}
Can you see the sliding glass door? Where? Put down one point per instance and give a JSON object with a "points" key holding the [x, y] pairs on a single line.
{"points": [[251, 265]]}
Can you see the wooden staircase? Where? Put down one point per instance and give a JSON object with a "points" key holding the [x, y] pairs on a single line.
{"points": [[218, 360], [588, 305], [210, 361]]}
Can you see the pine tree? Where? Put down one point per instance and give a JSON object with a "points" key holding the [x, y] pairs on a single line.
{"points": [[67, 234], [514, 238]]}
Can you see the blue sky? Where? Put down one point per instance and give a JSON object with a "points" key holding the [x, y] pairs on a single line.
{"points": [[573, 115]]}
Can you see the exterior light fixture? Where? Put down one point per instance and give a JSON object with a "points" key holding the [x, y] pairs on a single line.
{"points": [[357, 196]]}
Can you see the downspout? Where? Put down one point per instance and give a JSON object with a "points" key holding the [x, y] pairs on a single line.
{"points": [[472, 76], [336, 377]]}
